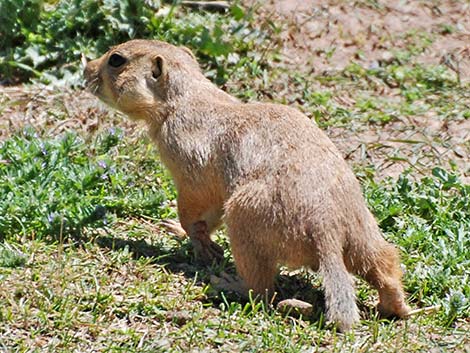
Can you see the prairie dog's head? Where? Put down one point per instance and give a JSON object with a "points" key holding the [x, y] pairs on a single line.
{"points": [[138, 77]]}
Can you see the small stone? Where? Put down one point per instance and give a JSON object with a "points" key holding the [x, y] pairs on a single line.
{"points": [[178, 317], [387, 57], [459, 152], [295, 306]]}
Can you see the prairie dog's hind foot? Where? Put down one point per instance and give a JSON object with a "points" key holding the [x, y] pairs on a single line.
{"points": [[398, 309]]}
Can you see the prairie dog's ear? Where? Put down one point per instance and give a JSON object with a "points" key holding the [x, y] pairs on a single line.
{"points": [[189, 52], [158, 66]]}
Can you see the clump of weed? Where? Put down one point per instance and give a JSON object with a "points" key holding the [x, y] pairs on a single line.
{"points": [[429, 219], [10, 256], [45, 40], [54, 188]]}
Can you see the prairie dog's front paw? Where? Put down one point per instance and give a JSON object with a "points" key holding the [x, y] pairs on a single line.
{"points": [[227, 282], [207, 251]]}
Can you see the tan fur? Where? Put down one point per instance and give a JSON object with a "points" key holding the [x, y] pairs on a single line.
{"points": [[281, 186]]}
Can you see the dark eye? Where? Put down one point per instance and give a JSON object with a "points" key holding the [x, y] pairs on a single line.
{"points": [[116, 60]]}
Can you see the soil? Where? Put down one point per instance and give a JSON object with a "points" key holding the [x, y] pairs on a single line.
{"points": [[326, 35], [322, 36], [51, 111]]}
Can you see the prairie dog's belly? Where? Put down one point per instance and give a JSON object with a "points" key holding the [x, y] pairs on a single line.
{"points": [[298, 252]]}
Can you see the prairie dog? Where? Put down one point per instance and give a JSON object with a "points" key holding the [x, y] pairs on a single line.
{"points": [[283, 189]]}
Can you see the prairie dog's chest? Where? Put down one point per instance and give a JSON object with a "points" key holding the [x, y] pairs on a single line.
{"points": [[184, 144], [187, 152]]}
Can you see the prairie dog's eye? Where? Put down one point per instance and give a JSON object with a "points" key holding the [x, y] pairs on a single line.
{"points": [[116, 60]]}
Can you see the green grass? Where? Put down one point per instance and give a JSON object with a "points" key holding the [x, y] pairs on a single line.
{"points": [[51, 188], [45, 40], [10, 256], [84, 265], [417, 90], [124, 285]]}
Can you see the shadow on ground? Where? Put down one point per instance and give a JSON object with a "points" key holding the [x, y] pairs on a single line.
{"points": [[181, 260]]}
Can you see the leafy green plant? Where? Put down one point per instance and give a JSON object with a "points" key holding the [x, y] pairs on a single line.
{"points": [[46, 41], [68, 28], [430, 220], [17, 19], [10, 256], [55, 188]]}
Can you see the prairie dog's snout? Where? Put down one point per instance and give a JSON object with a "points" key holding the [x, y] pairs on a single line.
{"points": [[91, 74], [90, 71]]}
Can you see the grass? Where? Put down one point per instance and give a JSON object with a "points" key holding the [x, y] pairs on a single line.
{"points": [[45, 41], [60, 186], [124, 285], [417, 89], [84, 265], [92, 299], [10, 256]]}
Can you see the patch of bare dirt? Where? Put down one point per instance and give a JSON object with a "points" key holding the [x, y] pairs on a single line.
{"points": [[323, 36], [408, 144], [52, 112]]}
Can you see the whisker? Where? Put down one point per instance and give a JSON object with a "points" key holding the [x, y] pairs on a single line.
{"points": [[92, 86], [95, 87]]}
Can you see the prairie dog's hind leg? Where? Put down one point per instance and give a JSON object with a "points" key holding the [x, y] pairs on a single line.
{"points": [[255, 260], [385, 275], [198, 221], [256, 268]]}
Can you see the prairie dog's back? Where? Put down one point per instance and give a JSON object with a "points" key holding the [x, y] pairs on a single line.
{"points": [[274, 139]]}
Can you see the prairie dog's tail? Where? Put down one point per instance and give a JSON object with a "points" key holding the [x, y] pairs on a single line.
{"points": [[339, 291]]}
